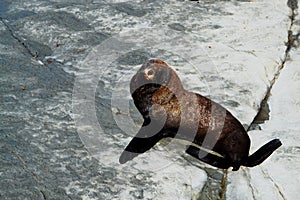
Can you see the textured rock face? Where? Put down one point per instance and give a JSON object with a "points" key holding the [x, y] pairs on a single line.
{"points": [[66, 112]]}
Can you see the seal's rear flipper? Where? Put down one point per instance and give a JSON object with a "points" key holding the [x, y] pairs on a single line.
{"points": [[207, 157], [262, 153]]}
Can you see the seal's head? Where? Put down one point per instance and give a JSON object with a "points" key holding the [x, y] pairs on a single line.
{"points": [[154, 72]]}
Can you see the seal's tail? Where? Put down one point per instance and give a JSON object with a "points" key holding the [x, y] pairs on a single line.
{"points": [[262, 153]]}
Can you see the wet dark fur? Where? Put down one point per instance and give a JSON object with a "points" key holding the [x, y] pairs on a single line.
{"points": [[171, 111]]}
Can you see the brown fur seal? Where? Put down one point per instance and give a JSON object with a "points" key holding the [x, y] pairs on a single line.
{"points": [[171, 111]]}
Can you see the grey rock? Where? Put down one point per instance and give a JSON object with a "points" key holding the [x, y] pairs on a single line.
{"points": [[130, 9], [177, 27]]}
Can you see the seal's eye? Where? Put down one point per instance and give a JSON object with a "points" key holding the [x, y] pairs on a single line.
{"points": [[150, 72]]}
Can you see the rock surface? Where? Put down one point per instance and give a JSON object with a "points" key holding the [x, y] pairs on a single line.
{"points": [[66, 112]]}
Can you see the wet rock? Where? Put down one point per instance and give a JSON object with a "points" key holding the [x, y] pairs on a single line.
{"points": [[130, 9], [18, 15], [70, 21], [37, 49], [293, 4], [177, 27], [138, 194], [136, 57], [3, 8]]}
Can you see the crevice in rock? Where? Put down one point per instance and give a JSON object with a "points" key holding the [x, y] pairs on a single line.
{"points": [[223, 185], [35, 177], [292, 41], [32, 54], [277, 187], [44, 195], [293, 5], [263, 111], [211, 189], [246, 174]]}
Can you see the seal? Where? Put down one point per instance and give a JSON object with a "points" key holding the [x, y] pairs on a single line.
{"points": [[217, 137]]}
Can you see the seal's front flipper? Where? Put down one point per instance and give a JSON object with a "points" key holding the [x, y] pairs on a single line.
{"points": [[144, 140], [208, 158], [262, 153]]}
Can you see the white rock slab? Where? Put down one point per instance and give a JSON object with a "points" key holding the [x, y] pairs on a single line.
{"points": [[283, 169], [278, 177]]}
